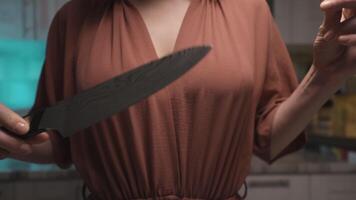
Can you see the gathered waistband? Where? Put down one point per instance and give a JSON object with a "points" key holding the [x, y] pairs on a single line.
{"points": [[235, 196], [171, 197]]}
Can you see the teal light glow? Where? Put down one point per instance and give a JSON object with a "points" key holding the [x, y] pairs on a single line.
{"points": [[20, 66]]}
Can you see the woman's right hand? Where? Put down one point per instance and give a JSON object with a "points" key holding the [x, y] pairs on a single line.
{"points": [[13, 124]]}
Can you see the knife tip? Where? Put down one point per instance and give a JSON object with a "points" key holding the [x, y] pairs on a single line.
{"points": [[204, 48]]}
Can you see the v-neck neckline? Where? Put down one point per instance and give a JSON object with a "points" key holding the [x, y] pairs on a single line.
{"points": [[148, 36]]}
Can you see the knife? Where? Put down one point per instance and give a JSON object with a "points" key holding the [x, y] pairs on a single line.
{"points": [[105, 99]]}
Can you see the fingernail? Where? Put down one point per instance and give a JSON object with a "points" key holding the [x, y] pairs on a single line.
{"points": [[21, 127], [342, 38], [324, 3], [25, 149]]}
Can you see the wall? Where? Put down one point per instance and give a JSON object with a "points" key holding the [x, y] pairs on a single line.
{"points": [[27, 19], [298, 20]]}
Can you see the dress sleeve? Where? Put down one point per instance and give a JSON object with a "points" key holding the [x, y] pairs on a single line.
{"points": [[280, 80], [50, 85]]}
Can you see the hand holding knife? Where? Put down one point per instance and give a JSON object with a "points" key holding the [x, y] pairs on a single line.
{"points": [[16, 125]]}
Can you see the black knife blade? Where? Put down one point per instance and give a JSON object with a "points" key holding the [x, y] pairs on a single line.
{"points": [[112, 96]]}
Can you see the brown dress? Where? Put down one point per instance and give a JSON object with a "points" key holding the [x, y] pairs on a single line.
{"points": [[191, 140]]}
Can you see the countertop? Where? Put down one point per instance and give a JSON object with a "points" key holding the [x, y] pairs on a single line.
{"points": [[264, 169]]}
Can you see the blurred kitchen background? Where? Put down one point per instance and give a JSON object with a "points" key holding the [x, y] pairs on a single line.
{"points": [[324, 170]]}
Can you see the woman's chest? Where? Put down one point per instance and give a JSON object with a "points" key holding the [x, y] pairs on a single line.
{"points": [[121, 42]]}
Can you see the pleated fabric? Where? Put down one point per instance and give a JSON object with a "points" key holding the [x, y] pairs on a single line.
{"points": [[191, 140]]}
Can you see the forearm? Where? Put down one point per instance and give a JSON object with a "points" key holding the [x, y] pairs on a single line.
{"points": [[294, 114], [41, 153]]}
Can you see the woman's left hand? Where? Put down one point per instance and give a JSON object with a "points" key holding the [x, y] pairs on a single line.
{"points": [[335, 44]]}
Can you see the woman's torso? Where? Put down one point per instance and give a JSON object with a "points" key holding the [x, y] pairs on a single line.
{"points": [[192, 139]]}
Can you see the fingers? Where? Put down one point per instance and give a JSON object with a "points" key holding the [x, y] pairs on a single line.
{"points": [[12, 121], [38, 139], [10, 124], [347, 7], [13, 145], [329, 5], [346, 32], [347, 40], [332, 18], [347, 27], [339, 21], [348, 13], [329, 26]]}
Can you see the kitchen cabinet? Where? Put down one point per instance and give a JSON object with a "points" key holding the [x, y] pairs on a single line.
{"points": [[48, 190], [278, 187], [6, 191], [333, 187]]}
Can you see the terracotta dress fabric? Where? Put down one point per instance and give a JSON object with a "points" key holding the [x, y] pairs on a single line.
{"points": [[191, 140]]}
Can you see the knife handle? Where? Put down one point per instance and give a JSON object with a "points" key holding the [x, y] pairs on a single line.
{"points": [[35, 118]]}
